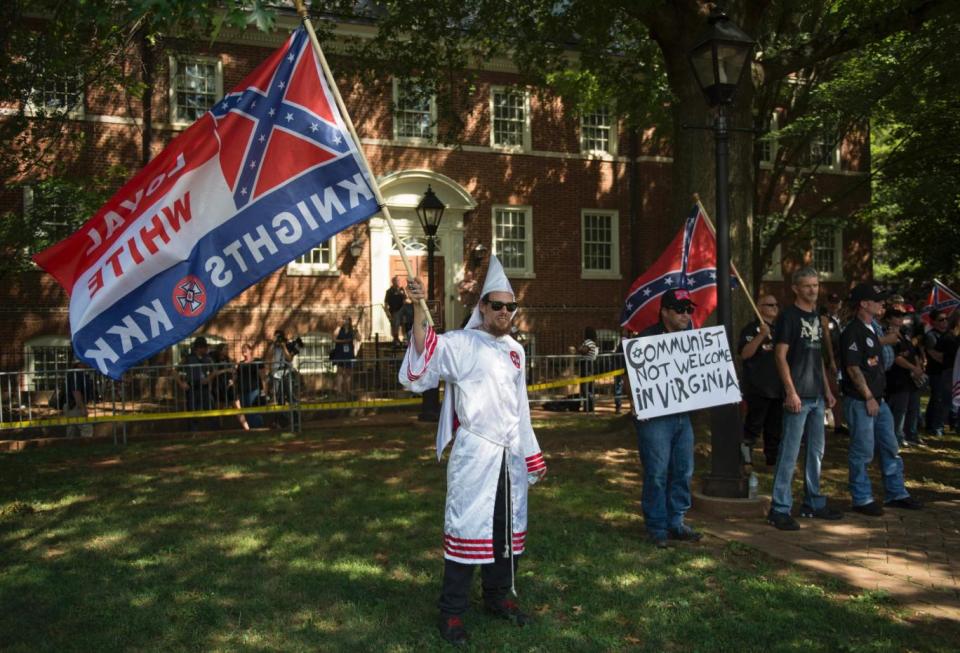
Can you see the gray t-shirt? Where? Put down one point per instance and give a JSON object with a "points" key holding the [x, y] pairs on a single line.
{"points": [[802, 332]]}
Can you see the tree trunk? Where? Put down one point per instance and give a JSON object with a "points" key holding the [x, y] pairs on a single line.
{"points": [[149, 71], [694, 156]]}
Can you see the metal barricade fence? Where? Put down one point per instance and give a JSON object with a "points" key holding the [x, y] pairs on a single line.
{"points": [[42, 400]]}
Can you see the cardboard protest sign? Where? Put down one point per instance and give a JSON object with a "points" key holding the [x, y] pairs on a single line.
{"points": [[681, 371]]}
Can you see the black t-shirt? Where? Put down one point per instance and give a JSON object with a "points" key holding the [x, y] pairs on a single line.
{"points": [[930, 341], [948, 345], [394, 298], [898, 378], [196, 369], [760, 376], [802, 332], [248, 376], [860, 347]]}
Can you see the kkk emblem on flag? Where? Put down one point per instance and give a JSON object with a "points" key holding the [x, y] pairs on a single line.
{"points": [[269, 173]]}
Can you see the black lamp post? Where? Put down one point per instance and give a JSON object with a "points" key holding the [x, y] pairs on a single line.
{"points": [[719, 60], [429, 212]]}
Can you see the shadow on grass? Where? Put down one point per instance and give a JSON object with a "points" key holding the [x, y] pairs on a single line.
{"points": [[331, 542]]}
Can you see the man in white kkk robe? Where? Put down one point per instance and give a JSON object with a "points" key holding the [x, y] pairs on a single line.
{"points": [[495, 453]]}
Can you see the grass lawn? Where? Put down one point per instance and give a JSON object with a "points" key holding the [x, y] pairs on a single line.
{"points": [[331, 541]]}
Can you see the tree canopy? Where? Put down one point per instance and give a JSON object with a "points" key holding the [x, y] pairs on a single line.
{"points": [[916, 200], [827, 68], [822, 65]]}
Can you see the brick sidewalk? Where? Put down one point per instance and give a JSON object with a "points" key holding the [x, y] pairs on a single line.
{"points": [[914, 556]]}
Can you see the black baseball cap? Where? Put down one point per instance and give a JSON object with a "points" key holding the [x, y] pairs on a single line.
{"points": [[868, 292], [676, 298]]}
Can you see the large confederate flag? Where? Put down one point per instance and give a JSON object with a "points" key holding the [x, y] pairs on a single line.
{"points": [[267, 174]]}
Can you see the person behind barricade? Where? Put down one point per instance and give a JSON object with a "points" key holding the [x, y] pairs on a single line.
{"points": [[284, 378], [281, 368], [393, 301], [406, 319], [343, 357], [495, 453], [665, 445], [224, 388], [833, 326], [250, 378], [198, 375], [586, 366], [934, 418], [903, 382], [80, 392], [868, 415], [762, 388], [798, 342]]}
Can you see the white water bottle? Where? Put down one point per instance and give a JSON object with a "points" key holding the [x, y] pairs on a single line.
{"points": [[752, 485]]}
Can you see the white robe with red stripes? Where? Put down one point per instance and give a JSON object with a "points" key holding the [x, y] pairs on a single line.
{"points": [[485, 405]]}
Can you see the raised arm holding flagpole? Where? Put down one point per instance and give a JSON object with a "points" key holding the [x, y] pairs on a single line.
{"points": [[384, 209]]}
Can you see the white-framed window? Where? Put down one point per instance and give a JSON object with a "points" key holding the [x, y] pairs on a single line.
{"points": [[824, 151], [314, 356], [415, 111], [509, 118], [768, 141], [599, 244], [598, 131], [46, 360], [196, 84], [60, 213], [826, 247], [607, 340], [321, 260], [57, 94], [513, 239]]}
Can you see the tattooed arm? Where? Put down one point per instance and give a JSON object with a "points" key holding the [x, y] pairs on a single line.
{"points": [[860, 383]]}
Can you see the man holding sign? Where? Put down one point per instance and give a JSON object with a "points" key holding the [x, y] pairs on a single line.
{"points": [[799, 339], [666, 444]]}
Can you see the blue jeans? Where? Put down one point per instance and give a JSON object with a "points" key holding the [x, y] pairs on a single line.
{"points": [[905, 408], [252, 398], [868, 435], [666, 451], [807, 423]]}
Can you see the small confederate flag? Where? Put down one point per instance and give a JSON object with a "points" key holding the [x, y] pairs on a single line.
{"points": [[940, 299], [690, 261]]}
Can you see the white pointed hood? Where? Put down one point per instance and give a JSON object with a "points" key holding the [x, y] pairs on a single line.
{"points": [[496, 281]]}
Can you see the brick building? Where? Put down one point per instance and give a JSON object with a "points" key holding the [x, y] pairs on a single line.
{"points": [[546, 189]]}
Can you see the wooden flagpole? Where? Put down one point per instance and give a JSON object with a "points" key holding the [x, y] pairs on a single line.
{"points": [[713, 230], [304, 15]]}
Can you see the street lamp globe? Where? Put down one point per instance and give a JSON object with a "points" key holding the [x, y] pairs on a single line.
{"points": [[430, 211], [720, 58]]}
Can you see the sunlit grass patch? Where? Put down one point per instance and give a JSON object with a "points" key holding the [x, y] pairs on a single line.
{"points": [[332, 541]]}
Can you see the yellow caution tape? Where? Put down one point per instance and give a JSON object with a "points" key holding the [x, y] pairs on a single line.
{"points": [[317, 406]]}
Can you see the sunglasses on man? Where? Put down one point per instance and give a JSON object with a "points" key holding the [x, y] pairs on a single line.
{"points": [[683, 309], [499, 306]]}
